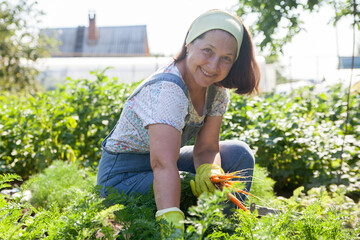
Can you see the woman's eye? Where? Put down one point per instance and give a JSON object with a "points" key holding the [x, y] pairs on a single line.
{"points": [[207, 50], [227, 59]]}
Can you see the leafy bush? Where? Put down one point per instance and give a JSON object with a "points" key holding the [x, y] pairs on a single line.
{"points": [[21, 45], [315, 215], [16, 217], [85, 216], [302, 217], [298, 137], [262, 187], [59, 184], [65, 124]]}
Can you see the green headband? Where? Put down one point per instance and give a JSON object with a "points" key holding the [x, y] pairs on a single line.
{"points": [[216, 19]]}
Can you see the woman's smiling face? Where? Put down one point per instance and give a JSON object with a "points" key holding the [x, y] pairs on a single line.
{"points": [[211, 57]]}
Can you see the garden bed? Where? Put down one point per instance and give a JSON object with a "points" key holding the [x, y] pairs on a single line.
{"points": [[51, 141]]}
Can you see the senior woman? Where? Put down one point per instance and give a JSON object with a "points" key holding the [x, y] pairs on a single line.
{"points": [[182, 100]]}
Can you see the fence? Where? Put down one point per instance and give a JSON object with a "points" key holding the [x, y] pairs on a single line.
{"points": [[299, 70]]}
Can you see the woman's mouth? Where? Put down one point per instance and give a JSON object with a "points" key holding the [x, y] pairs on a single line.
{"points": [[206, 73]]}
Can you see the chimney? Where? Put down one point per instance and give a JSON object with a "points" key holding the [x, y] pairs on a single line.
{"points": [[93, 31]]}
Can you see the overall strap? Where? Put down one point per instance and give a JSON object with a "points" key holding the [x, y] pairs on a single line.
{"points": [[169, 77], [210, 97]]}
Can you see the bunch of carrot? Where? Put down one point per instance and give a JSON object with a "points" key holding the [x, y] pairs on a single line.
{"points": [[225, 180]]}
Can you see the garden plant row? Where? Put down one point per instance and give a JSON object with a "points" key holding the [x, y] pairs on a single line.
{"points": [[52, 142], [297, 137]]}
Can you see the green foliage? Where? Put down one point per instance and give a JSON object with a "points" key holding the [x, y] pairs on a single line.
{"points": [[65, 124], [263, 186], [15, 215], [278, 21], [6, 178], [318, 214], [59, 184], [298, 137], [346, 8], [187, 197], [95, 109], [20, 46], [84, 217], [315, 221], [137, 217], [207, 216]]}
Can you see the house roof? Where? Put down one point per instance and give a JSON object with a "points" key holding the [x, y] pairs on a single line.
{"points": [[110, 42]]}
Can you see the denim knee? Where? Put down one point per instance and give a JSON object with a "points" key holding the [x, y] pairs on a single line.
{"points": [[124, 172], [236, 155]]}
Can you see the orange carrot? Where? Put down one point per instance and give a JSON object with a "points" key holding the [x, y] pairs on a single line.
{"points": [[217, 180], [242, 191], [239, 190], [236, 201], [224, 180]]}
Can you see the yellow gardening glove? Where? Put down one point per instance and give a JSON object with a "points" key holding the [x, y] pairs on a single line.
{"points": [[202, 181], [175, 217]]}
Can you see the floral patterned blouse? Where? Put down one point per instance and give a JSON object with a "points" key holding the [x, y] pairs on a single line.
{"points": [[161, 102]]}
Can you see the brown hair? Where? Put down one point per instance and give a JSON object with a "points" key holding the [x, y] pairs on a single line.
{"points": [[244, 75]]}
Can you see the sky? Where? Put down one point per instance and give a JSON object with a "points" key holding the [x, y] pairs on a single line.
{"points": [[168, 20]]}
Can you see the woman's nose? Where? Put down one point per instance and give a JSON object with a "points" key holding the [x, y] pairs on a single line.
{"points": [[214, 64]]}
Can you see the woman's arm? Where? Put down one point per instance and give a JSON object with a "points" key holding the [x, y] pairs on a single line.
{"points": [[165, 142], [206, 149]]}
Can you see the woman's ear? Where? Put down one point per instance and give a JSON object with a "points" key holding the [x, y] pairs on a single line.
{"points": [[188, 49]]}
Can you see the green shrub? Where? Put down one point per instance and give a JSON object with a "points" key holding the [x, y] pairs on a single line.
{"points": [[65, 124], [137, 215], [16, 217], [207, 221], [60, 184], [262, 187], [318, 214], [298, 137], [84, 217]]}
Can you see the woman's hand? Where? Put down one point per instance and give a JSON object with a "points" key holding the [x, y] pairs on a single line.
{"points": [[202, 181]]}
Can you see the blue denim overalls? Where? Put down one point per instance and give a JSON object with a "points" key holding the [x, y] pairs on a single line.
{"points": [[131, 172], [114, 164]]}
